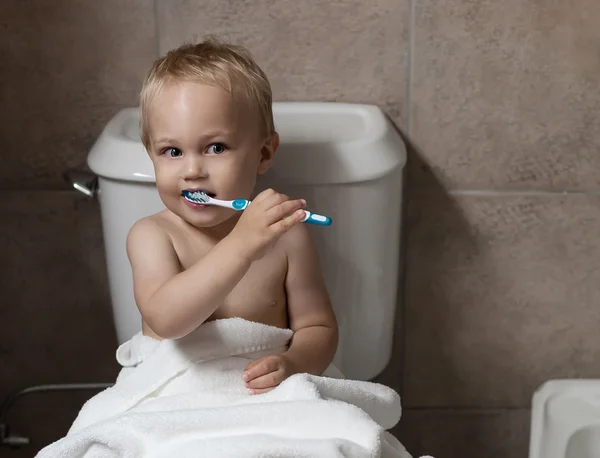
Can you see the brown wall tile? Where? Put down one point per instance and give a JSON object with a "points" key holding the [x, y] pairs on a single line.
{"points": [[67, 67], [465, 434], [55, 318], [506, 94], [43, 418], [54, 306], [349, 51], [501, 295]]}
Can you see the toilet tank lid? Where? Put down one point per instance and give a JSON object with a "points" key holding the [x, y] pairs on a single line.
{"points": [[323, 142]]}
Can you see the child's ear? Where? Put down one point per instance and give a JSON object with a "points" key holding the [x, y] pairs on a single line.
{"points": [[267, 153]]}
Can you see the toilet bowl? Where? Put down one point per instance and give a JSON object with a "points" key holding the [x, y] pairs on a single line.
{"points": [[565, 420], [346, 160]]}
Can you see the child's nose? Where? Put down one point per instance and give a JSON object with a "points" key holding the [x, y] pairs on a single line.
{"points": [[194, 167]]}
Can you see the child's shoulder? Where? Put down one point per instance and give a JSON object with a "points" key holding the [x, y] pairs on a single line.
{"points": [[158, 222], [298, 238], [148, 231]]}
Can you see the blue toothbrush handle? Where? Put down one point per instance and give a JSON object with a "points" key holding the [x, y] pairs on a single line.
{"points": [[313, 218], [310, 218]]}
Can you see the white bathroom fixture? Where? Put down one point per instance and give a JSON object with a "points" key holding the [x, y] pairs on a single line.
{"points": [[346, 160], [565, 420]]}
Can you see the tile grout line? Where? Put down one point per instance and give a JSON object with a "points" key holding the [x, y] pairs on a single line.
{"points": [[522, 192], [401, 295], [409, 66]]}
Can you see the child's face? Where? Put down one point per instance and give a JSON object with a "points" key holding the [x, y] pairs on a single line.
{"points": [[202, 138]]}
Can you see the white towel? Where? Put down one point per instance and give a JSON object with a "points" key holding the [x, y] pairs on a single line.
{"points": [[186, 397]]}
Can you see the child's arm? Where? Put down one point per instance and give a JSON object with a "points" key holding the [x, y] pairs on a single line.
{"points": [[174, 302], [311, 318]]}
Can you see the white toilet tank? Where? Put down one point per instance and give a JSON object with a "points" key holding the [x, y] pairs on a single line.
{"points": [[346, 160]]}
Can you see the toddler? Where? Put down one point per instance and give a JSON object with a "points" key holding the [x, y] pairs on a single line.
{"points": [[207, 124]]}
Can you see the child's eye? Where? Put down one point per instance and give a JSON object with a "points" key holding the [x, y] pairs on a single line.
{"points": [[217, 148], [172, 152]]}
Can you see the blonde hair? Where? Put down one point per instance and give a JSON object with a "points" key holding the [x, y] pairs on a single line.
{"points": [[215, 63]]}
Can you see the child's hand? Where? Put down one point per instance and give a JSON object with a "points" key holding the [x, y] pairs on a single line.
{"points": [[266, 219], [266, 373]]}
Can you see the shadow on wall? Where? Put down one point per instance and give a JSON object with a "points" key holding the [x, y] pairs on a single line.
{"points": [[438, 240], [61, 326], [393, 373]]}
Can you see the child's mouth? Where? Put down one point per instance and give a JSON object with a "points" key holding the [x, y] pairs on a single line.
{"points": [[197, 197]]}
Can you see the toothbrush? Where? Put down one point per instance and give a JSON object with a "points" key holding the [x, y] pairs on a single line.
{"points": [[200, 197]]}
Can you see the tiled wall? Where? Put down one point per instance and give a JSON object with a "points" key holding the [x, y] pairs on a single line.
{"points": [[500, 101]]}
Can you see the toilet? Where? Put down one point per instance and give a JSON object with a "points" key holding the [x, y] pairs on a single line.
{"points": [[565, 420], [346, 160]]}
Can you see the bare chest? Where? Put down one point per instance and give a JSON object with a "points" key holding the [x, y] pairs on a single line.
{"points": [[260, 294]]}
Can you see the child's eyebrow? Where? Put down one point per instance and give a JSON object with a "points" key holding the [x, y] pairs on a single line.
{"points": [[163, 140]]}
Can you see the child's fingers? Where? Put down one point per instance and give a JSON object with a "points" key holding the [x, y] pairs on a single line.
{"points": [[269, 380], [272, 200], [260, 367], [285, 224], [284, 209], [263, 195], [260, 391], [252, 363], [252, 370]]}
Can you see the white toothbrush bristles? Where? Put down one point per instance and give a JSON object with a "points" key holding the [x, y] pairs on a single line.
{"points": [[198, 196]]}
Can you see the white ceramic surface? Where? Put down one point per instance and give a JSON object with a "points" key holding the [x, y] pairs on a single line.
{"points": [[565, 420]]}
